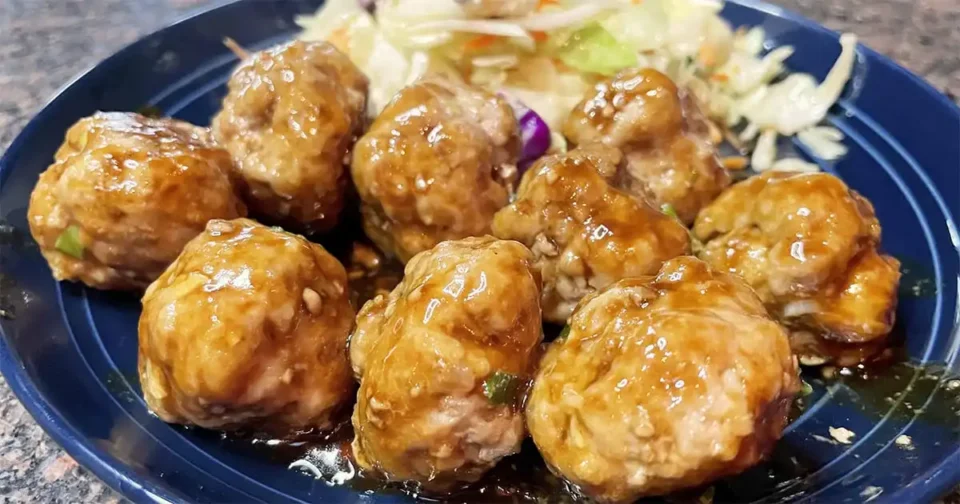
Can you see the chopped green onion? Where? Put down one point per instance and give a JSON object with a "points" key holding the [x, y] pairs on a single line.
{"points": [[707, 496], [696, 246], [564, 333], [805, 388], [501, 387], [668, 209], [69, 242]]}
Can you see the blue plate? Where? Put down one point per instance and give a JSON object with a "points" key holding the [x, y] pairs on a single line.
{"points": [[69, 353]]}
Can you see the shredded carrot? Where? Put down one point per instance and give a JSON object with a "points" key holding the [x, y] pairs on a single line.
{"points": [[480, 42], [719, 77], [544, 3], [340, 38], [707, 55], [636, 2], [236, 48], [539, 36], [561, 66], [734, 163]]}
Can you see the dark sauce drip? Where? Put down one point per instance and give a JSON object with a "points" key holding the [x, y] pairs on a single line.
{"points": [[8, 308], [369, 272], [10, 236], [551, 331], [11, 295], [917, 280], [151, 111]]}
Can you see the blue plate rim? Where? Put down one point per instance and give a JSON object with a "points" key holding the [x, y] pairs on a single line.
{"points": [[121, 479]]}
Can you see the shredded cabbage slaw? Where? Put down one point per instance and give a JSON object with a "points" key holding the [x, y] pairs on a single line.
{"points": [[550, 57]]}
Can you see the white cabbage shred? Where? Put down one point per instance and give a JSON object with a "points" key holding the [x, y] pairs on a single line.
{"points": [[550, 57]]}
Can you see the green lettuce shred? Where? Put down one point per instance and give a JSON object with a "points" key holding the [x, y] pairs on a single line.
{"points": [[593, 49]]}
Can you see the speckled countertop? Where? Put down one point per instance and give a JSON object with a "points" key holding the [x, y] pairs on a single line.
{"points": [[43, 43]]}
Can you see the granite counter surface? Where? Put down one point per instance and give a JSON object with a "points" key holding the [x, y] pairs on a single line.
{"points": [[44, 43]]}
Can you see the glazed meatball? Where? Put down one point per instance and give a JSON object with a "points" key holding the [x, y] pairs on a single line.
{"points": [[124, 195], [662, 383], [584, 233], [433, 165], [663, 134], [289, 121], [444, 363], [808, 245], [248, 329]]}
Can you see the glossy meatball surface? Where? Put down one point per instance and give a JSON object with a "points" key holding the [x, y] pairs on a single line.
{"points": [[808, 245], [444, 363], [289, 120], [432, 167], [662, 383], [248, 329], [584, 233], [124, 195], [663, 134]]}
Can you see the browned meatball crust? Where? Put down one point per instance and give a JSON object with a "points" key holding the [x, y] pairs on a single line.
{"points": [[808, 245], [289, 120], [584, 233], [663, 134], [129, 192], [662, 383], [432, 166], [467, 312], [248, 329]]}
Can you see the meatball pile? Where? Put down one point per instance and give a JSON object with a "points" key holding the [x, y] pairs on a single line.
{"points": [[125, 194], [434, 166], [248, 329], [662, 383], [289, 121], [243, 327], [444, 362], [808, 245], [671, 371], [584, 233], [664, 137]]}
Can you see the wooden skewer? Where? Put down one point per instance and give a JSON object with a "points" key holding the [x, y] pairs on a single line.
{"points": [[236, 48]]}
